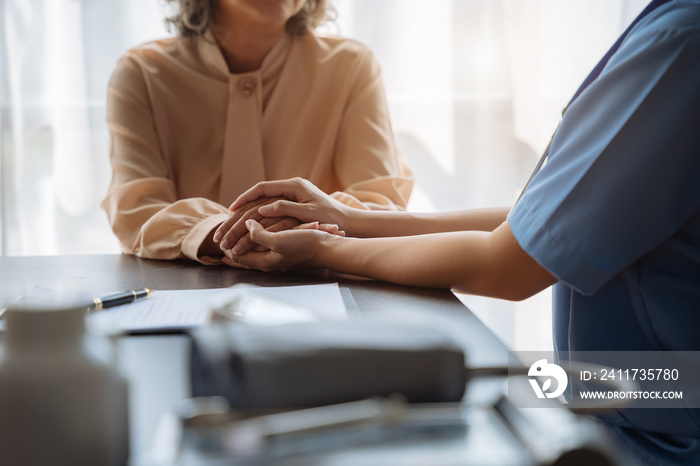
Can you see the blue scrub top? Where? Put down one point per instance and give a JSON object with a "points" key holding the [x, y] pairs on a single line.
{"points": [[614, 214]]}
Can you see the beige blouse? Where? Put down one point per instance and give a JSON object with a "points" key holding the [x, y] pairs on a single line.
{"points": [[187, 136]]}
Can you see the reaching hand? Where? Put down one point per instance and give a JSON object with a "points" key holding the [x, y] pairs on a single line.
{"points": [[283, 200], [287, 249], [235, 224], [237, 233]]}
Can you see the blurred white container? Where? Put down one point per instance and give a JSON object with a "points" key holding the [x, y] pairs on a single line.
{"points": [[62, 400]]}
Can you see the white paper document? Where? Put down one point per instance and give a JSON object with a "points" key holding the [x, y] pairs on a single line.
{"points": [[172, 310]]}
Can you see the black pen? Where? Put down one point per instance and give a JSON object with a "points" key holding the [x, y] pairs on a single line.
{"points": [[125, 297]]}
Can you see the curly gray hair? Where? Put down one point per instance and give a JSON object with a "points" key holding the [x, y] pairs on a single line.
{"points": [[193, 18]]}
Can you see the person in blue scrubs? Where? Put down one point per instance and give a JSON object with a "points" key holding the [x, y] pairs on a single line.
{"points": [[612, 219], [615, 215]]}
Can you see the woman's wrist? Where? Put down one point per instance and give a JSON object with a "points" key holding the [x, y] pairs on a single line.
{"points": [[208, 247], [328, 248], [356, 222], [344, 219]]}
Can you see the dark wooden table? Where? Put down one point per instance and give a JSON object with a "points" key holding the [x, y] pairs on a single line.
{"points": [[157, 365], [106, 273]]}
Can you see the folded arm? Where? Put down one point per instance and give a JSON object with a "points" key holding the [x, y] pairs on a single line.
{"points": [[142, 204]]}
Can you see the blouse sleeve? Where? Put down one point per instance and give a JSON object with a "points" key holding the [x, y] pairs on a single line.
{"points": [[142, 203], [367, 162]]}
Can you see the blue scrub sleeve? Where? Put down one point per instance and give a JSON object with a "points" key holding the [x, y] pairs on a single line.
{"points": [[623, 172]]}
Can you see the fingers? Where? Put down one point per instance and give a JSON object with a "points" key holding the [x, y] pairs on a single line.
{"points": [[269, 225], [284, 188], [281, 224], [329, 228], [233, 217], [233, 228], [236, 265], [224, 227], [332, 228], [286, 249], [268, 260], [259, 235], [307, 226], [265, 261], [305, 212], [245, 244]]}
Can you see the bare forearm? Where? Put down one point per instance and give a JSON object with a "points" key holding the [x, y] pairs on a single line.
{"points": [[426, 260], [366, 224], [300, 199], [476, 262]]}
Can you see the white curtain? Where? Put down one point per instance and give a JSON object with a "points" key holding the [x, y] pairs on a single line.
{"points": [[475, 88], [57, 56]]}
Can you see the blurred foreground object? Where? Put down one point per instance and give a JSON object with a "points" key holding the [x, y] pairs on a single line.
{"points": [[62, 401], [206, 431], [321, 363], [249, 382]]}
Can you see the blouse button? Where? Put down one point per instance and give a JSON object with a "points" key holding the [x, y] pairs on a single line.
{"points": [[246, 86]]}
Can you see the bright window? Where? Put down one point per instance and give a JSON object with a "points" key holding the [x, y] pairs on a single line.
{"points": [[475, 88]]}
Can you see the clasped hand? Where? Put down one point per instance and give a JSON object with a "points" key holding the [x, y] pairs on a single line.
{"points": [[277, 225]]}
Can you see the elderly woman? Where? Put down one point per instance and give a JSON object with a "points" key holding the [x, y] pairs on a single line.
{"points": [[247, 92]]}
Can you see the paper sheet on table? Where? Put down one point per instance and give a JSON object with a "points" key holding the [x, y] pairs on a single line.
{"points": [[168, 310]]}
